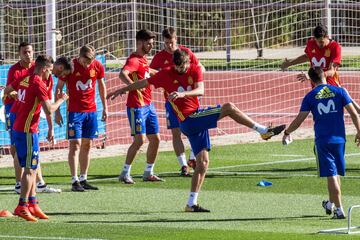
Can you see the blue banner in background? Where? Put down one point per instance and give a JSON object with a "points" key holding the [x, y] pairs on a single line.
{"points": [[59, 132]]}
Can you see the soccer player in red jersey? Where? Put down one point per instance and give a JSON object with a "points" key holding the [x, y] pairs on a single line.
{"points": [[18, 72], [82, 117], [321, 51], [140, 109], [32, 94], [161, 60], [183, 82]]}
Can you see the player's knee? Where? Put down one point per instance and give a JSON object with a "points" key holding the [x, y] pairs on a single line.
{"points": [[138, 141], [229, 107]]}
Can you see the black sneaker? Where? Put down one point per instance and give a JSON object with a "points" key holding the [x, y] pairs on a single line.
{"points": [[328, 211], [87, 186], [76, 187], [338, 214], [195, 208], [185, 171], [272, 131]]}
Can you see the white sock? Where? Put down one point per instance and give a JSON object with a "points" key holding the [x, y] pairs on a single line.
{"points": [[329, 205], [126, 169], [192, 156], [83, 177], [74, 179], [149, 168], [182, 160], [192, 199], [260, 128], [40, 183]]}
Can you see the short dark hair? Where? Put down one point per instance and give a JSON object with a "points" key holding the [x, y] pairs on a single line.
{"points": [[65, 62], [316, 74], [169, 33], [144, 35], [43, 61], [87, 51], [320, 31], [24, 44], [180, 57]]}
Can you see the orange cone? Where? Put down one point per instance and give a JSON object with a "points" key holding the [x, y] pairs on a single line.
{"points": [[5, 213]]}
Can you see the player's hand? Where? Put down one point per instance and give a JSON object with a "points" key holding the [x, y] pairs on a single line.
{"points": [[302, 77], [175, 95], [13, 95], [64, 96], [58, 118], [287, 139], [285, 64], [357, 139], [50, 137], [104, 115], [114, 94]]}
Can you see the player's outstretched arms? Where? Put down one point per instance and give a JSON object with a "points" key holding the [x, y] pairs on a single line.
{"points": [[290, 62], [302, 77], [50, 108], [134, 86]]}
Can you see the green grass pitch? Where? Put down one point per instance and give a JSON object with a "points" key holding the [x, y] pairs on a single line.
{"points": [[290, 209]]}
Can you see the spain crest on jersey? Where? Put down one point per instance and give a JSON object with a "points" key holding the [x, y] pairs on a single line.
{"points": [[327, 53], [190, 80], [92, 73]]}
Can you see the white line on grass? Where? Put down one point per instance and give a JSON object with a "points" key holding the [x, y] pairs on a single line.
{"points": [[50, 238], [287, 155]]}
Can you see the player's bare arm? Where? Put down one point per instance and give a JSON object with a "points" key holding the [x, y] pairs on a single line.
{"points": [[50, 135], [153, 71], [290, 62], [102, 92], [135, 86], [356, 121], [49, 107], [124, 77], [333, 67], [197, 91], [59, 88], [295, 124]]}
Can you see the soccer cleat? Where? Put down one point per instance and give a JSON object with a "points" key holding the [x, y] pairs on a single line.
{"points": [[328, 211], [23, 212], [152, 178], [36, 211], [338, 215], [127, 179], [185, 171], [272, 131], [192, 163], [46, 189], [76, 187], [17, 188], [88, 186], [195, 208]]}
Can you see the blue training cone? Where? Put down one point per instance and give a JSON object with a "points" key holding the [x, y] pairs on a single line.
{"points": [[264, 183]]}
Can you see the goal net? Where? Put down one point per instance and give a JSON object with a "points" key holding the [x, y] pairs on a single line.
{"points": [[240, 43]]}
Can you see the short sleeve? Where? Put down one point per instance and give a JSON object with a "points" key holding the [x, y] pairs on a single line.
{"points": [[197, 74], [101, 71], [131, 65], [346, 99], [41, 91], [305, 105], [336, 54]]}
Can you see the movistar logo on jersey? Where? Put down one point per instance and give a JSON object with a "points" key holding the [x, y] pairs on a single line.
{"points": [[83, 86], [328, 108], [324, 93]]}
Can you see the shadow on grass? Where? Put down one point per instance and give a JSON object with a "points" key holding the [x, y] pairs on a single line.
{"points": [[206, 220]]}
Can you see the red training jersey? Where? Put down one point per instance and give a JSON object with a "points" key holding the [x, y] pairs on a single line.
{"points": [[31, 93], [81, 85], [322, 57], [25, 78], [170, 80], [138, 68], [16, 72]]}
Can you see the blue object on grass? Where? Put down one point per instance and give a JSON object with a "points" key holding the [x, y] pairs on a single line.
{"points": [[264, 183]]}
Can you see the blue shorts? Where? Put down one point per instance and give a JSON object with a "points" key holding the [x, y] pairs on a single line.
{"points": [[330, 159], [27, 149], [143, 120], [82, 125], [9, 121], [196, 126], [171, 119]]}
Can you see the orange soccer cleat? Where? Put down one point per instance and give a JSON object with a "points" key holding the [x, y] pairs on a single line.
{"points": [[23, 212], [37, 212]]}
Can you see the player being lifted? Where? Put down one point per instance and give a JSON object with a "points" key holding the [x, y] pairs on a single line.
{"points": [[321, 51], [327, 103], [82, 117], [161, 60], [32, 93], [183, 83], [140, 109]]}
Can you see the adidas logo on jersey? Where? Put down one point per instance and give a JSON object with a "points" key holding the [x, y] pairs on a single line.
{"points": [[324, 93]]}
